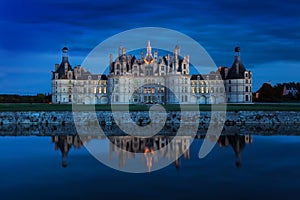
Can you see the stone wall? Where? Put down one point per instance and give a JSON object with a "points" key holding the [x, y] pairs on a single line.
{"points": [[69, 129], [142, 117]]}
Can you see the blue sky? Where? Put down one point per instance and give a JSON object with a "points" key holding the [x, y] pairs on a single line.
{"points": [[34, 31]]}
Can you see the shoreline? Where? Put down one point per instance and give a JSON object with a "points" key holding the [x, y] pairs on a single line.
{"points": [[69, 129], [142, 117]]}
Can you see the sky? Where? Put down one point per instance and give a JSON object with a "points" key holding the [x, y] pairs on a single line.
{"points": [[33, 32]]}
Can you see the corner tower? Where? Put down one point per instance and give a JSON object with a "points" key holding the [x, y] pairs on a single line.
{"points": [[238, 81]]}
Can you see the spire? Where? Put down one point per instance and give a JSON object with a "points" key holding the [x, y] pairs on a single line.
{"points": [[237, 58], [149, 50], [237, 69], [65, 54], [237, 52]]}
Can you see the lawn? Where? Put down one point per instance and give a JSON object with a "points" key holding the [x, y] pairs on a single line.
{"points": [[230, 107]]}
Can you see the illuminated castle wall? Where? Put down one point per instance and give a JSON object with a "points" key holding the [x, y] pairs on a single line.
{"points": [[151, 79]]}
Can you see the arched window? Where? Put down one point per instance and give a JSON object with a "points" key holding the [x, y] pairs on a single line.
{"points": [[247, 89], [247, 98]]}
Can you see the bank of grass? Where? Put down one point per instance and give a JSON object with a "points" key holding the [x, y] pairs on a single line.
{"points": [[230, 107]]}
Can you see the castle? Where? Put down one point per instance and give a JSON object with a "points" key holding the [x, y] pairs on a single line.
{"points": [[151, 79]]}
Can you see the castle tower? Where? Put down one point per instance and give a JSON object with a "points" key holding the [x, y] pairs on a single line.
{"points": [[238, 81]]}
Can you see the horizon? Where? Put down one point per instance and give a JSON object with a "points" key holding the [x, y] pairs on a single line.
{"points": [[268, 33]]}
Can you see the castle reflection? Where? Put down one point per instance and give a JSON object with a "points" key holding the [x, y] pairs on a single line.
{"points": [[237, 142], [169, 147], [64, 143]]}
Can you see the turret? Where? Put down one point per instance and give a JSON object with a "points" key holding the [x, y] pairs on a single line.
{"points": [[149, 50], [237, 53], [64, 54]]}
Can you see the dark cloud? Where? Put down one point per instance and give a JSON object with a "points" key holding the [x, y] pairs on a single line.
{"points": [[268, 31]]}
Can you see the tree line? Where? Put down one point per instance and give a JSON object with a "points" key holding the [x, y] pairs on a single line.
{"points": [[269, 93], [14, 98]]}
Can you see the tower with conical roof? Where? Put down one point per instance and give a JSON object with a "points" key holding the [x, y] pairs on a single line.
{"points": [[238, 81]]}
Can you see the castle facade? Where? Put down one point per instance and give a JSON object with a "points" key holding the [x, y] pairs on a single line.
{"points": [[151, 79]]}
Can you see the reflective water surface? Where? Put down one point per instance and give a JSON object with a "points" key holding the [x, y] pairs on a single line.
{"points": [[57, 166]]}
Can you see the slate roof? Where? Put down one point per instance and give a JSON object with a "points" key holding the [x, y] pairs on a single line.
{"points": [[237, 70]]}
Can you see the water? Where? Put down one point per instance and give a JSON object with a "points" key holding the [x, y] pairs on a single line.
{"points": [[249, 167]]}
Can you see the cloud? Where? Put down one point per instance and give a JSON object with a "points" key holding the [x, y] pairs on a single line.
{"points": [[268, 31]]}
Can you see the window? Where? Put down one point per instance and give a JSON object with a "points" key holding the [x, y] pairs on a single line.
{"points": [[247, 98], [247, 89], [193, 90], [229, 89]]}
